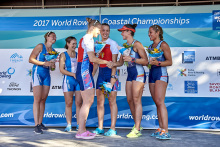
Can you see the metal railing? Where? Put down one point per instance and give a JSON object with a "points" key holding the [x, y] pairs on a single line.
{"points": [[177, 3]]}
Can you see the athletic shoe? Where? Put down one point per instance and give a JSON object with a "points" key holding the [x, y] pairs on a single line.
{"points": [[37, 129], [141, 128], [98, 131], [85, 135], [156, 133], [77, 127], [134, 133], [165, 136], [42, 126], [68, 128], [110, 132]]}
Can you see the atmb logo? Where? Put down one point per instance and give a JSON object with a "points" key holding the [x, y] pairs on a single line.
{"points": [[188, 57], [16, 58], [190, 87]]}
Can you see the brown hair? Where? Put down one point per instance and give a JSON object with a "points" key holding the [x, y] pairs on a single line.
{"points": [[47, 35], [157, 28], [132, 27], [105, 24], [92, 22], [68, 40]]}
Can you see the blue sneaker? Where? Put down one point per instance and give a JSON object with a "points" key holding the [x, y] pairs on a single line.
{"points": [[77, 127], [68, 128], [156, 133], [110, 132], [98, 131], [165, 136]]}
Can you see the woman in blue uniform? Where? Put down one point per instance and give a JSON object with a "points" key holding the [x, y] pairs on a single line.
{"points": [[158, 79], [136, 76], [41, 78], [68, 65]]}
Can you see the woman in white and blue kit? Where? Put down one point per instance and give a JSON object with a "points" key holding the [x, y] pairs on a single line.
{"points": [[158, 79], [41, 78], [68, 65], [136, 76]]}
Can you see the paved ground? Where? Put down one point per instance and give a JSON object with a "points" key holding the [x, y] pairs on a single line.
{"points": [[55, 137]]}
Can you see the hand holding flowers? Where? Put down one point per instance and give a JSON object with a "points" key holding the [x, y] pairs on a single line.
{"points": [[153, 55], [125, 51], [51, 57], [106, 89]]}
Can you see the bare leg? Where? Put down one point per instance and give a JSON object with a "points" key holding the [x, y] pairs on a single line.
{"points": [[129, 98], [160, 92], [113, 108], [100, 107], [88, 99], [45, 92], [68, 109], [137, 90], [37, 90], [78, 103]]}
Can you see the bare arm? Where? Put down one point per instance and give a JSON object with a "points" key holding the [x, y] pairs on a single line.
{"points": [[62, 66], [119, 63], [167, 54], [35, 53], [138, 47], [94, 59], [114, 59]]}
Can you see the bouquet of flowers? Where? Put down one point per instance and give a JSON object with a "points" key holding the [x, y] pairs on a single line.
{"points": [[99, 46], [106, 88], [154, 53], [125, 50], [51, 56]]}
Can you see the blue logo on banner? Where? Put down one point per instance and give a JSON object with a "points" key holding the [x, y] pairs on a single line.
{"points": [[216, 19], [16, 58], [188, 57], [169, 87], [190, 87]]}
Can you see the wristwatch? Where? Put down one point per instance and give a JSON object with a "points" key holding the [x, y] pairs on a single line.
{"points": [[159, 63], [113, 76]]}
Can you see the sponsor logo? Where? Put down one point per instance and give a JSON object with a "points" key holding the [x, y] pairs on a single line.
{"points": [[16, 58], [188, 57], [190, 87], [218, 72], [13, 86], [56, 87], [29, 72], [213, 58], [118, 72], [169, 87], [216, 20], [8, 73], [214, 87], [189, 72], [6, 115]]}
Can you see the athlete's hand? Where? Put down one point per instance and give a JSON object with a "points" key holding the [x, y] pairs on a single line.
{"points": [[127, 58], [48, 63], [110, 64], [153, 61]]}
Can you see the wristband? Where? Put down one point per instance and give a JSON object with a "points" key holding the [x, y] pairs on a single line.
{"points": [[159, 63], [133, 60]]}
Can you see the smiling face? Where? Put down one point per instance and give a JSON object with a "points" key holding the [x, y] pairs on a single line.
{"points": [[125, 34], [105, 31], [72, 45], [153, 34], [51, 38]]}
